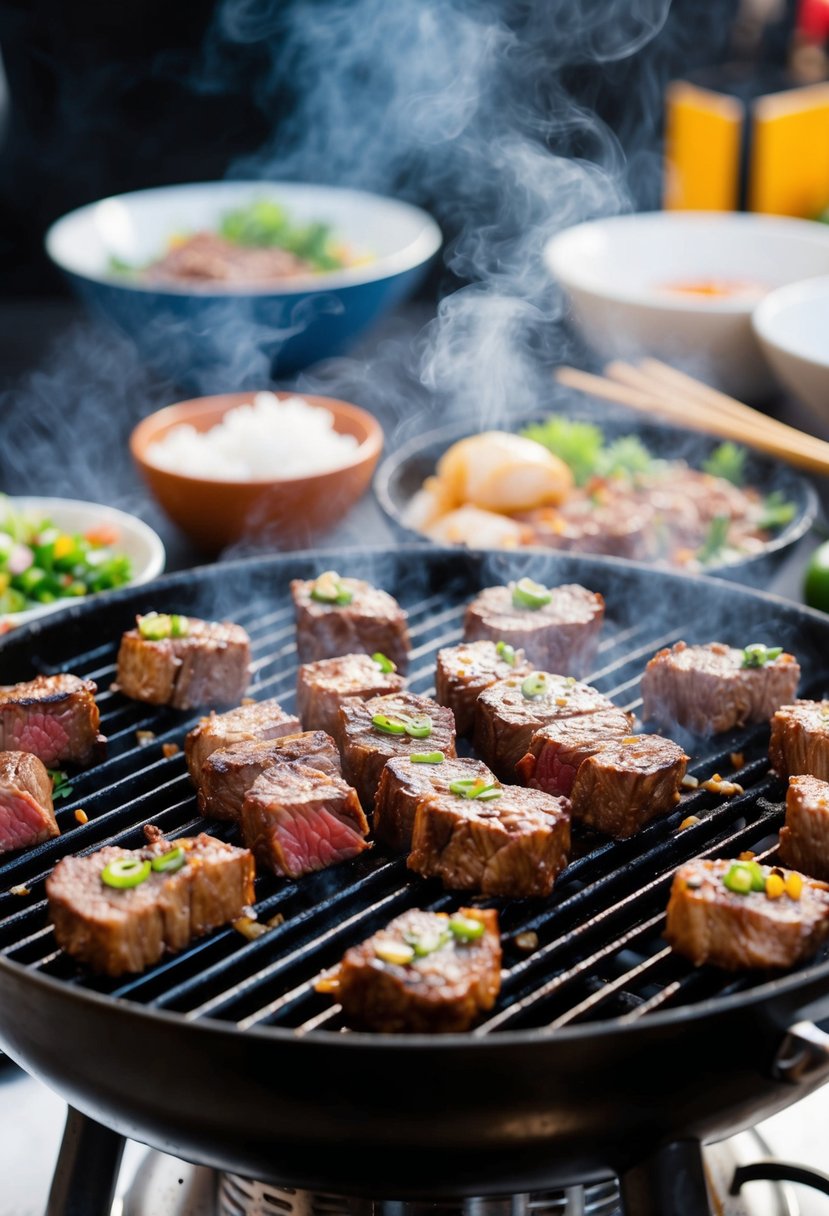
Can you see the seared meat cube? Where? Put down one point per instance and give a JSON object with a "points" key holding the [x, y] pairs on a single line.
{"points": [[258, 721], [298, 820], [464, 671], [321, 688], [118, 929], [800, 739], [53, 717], [229, 772], [625, 784], [207, 663], [336, 616], [557, 749], [26, 813], [404, 784], [708, 689], [804, 839], [512, 845], [710, 923], [372, 732], [559, 635], [417, 975], [509, 713]]}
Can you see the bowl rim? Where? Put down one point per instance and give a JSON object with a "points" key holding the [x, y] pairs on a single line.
{"points": [[367, 450], [573, 278], [418, 251], [777, 301]]}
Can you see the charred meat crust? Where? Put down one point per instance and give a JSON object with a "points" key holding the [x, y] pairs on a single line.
{"points": [[404, 786], [258, 721], [625, 784], [464, 671], [210, 665], [372, 622], [229, 772], [557, 749], [53, 717], [321, 688], [804, 838], [800, 739], [561, 636]]}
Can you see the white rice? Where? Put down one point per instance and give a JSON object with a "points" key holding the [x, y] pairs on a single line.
{"points": [[267, 440]]}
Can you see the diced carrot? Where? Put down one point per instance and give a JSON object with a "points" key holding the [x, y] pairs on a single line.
{"points": [[104, 534]]}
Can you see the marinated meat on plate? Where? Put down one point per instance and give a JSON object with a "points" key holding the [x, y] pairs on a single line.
{"points": [[498, 840], [464, 671], [53, 717], [406, 781], [800, 739], [804, 839], [321, 687], [183, 662], [26, 813], [372, 732], [259, 720], [426, 972], [298, 820], [713, 688], [228, 773], [557, 749], [121, 910], [625, 784], [738, 914], [336, 616], [558, 627]]}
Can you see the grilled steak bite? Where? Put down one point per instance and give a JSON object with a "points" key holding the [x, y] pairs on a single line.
{"points": [[321, 687], [557, 749], [336, 616], [426, 972], [625, 784], [53, 717], [557, 627], [800, 739], [26, 813], [228, 773], [804, 839], [513, 844], [738, 914], [508, 714], [372, 732], [121, 910], [713, 688], [183, 662], [405, 783], [464, 671], [259, 720], [297, 820]]}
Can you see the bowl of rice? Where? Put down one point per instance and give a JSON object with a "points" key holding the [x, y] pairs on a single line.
{"points": [[267, 469]]}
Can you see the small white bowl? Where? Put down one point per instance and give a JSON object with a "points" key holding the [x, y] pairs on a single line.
{"points": [[792, 326], [136, 540], [616, 273]]}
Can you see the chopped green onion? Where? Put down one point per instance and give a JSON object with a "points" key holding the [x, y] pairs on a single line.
{"points": [[169, 862], [758, 875], [739, 878], [125, 872], [158, 626], [387, 725], [727, 461], [416, 727], [776, 512], [529, 594], [465, 929], [385, 664], [179, 626], [427, 757], [505, 652], [715, 540], [419, 727], [398, 953], [535, 685], [330, 589], [428, 942], [757, 655], [61, 787], [475, 787]]}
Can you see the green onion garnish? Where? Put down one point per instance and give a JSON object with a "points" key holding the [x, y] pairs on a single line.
{"points": [[739, 878], [465, 929], [757, 655], [169, 862], [61, 787], [125, 872], [475, 787], [428, 942], [727, 461], [427, 757], [715, 540], [330, 589], [387, 725], [505, 652], [419, 727], [535, 685], [394, 952], [157, 626], [385, 664], [777, 511], [528, 594], [179, 626]]}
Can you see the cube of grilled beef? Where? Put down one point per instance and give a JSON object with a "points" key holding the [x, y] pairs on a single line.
{"points": [[209, 665], [117, 930], [53, 717], [626, 783], [322, 687], [228, 773], [560, 636], [514, 845], [508, 714], [707, 689], [297, 820], [404, 784], [464, 671], [365, 747], [259, 720], [27, 816], [800, 739], [557, 749], [416, 975], [371, 621], [708, 923], [804, 838]]}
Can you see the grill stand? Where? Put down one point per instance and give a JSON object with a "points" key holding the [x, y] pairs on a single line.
{"points": [[671, 1182], [86, 1173]]}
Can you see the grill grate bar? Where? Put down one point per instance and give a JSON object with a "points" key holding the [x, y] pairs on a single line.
{"points": [[623, 981]]}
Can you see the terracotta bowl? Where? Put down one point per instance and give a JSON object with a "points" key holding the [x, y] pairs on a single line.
{"points": [[276, 514]]}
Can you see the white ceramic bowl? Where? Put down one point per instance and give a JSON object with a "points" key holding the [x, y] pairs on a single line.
{"points": [[616, 274], [792, 326], [139, 542]]}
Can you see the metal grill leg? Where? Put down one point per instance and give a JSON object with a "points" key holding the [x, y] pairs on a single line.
{"points": [[669, 1183], [87, 1170]]}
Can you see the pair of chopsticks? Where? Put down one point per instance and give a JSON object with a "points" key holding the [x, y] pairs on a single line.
{"points": [[659, 390]]}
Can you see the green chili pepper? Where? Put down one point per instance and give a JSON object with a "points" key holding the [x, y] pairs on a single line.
{"points": [[125, 872], [739, 878], [387, 725], [419, 727], [757, 655], [465, 929], [505, 652], [528, 594], [155, 626], [427, 757], [168, 863], [385, 664], [475, 787]]}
